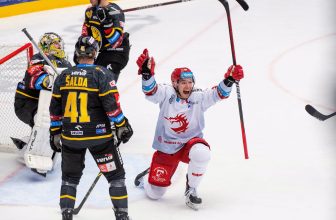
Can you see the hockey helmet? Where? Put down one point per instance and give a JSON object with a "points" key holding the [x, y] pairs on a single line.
{"points": [[52, 44], [86, 46], [182, 73]]}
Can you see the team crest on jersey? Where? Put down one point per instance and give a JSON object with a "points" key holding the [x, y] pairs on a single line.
{"points": [[181, 121], [89, 14], [160, 174]]}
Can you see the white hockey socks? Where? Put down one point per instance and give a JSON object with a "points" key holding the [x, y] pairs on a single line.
{"points": [[199, 158]]}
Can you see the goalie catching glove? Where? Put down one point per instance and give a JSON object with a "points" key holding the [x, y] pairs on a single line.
{"points": [[146, 65]]}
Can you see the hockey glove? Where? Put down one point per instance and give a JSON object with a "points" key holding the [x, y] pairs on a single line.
{"points": [[55, 142], [146, 65], [234, 73], [124, 131]]}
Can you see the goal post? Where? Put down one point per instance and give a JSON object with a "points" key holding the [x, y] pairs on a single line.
{"points": [[14, 60]]}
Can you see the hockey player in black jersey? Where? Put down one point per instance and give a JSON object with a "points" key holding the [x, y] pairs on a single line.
{"points": [[32, 100], [36, 78], [105, 22], [84, 102]]}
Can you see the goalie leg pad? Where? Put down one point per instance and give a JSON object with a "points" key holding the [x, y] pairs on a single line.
{"points": [[39, 154]]}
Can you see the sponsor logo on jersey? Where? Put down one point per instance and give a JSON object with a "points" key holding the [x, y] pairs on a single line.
{"points": [[101, 131], [21, 86], [107, 167], [106, 158], [172, 98], [79, 73], [76, 133], [179, 123], [100, 126], [112, 83]]}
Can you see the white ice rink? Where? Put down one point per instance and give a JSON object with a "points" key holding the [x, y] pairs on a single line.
{"points": [[288, 51]]}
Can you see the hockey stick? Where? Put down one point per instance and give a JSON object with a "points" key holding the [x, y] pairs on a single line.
{"points": [[76, 210], [227, 9], [24, 30], [313, 112], [242, 3]]}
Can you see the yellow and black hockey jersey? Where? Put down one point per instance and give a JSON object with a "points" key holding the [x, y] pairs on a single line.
{"points": [[85, 100]]}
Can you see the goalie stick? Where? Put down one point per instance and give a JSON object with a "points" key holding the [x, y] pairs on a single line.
{"points": [[313, 112], [227, 9]]}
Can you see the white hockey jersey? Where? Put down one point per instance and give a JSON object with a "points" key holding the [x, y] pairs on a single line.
{"points": [[180, 120]]}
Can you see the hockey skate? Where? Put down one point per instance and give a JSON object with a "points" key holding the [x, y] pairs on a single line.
{"points": [[192, 200], [120, 215], [67, 214], [139, 179]]}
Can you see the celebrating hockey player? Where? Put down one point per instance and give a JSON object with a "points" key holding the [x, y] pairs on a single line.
{"points": [[32, 100], [178, 136], [105, 22], [85, 100]]}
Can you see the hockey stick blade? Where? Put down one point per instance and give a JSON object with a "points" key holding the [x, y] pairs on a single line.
{"points": [[243, 4], [313, 112]]}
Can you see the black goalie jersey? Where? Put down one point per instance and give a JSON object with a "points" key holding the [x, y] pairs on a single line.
{"points": [[84, 102]]}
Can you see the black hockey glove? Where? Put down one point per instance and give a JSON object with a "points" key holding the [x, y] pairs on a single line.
{"points": [[55, 142], [124, 132]]}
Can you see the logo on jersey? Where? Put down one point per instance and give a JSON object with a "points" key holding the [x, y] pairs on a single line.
{"points": [[112, 83], [181, 121], [160, 174], [78, 127]]}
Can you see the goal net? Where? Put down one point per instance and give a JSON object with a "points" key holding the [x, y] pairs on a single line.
{"points": [[14, 60]]}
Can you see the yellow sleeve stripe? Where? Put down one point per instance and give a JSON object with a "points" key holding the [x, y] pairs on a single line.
{"points": [[86, 138], [79, 88], [119, 29], [68, 197], [119, 197], [119, 125], [108, 92], [24, 94], [110, 35], [94, 22], [56, 96], [55, 129]]}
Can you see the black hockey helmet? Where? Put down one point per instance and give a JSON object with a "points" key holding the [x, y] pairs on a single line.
{"points": [[86, 46]]}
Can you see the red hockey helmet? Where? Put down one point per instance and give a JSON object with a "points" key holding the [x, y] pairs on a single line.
{"points": [[182, 73]]}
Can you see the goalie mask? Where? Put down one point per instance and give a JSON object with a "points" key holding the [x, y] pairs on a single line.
{"points": [[52, 44], [86, 46]]}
